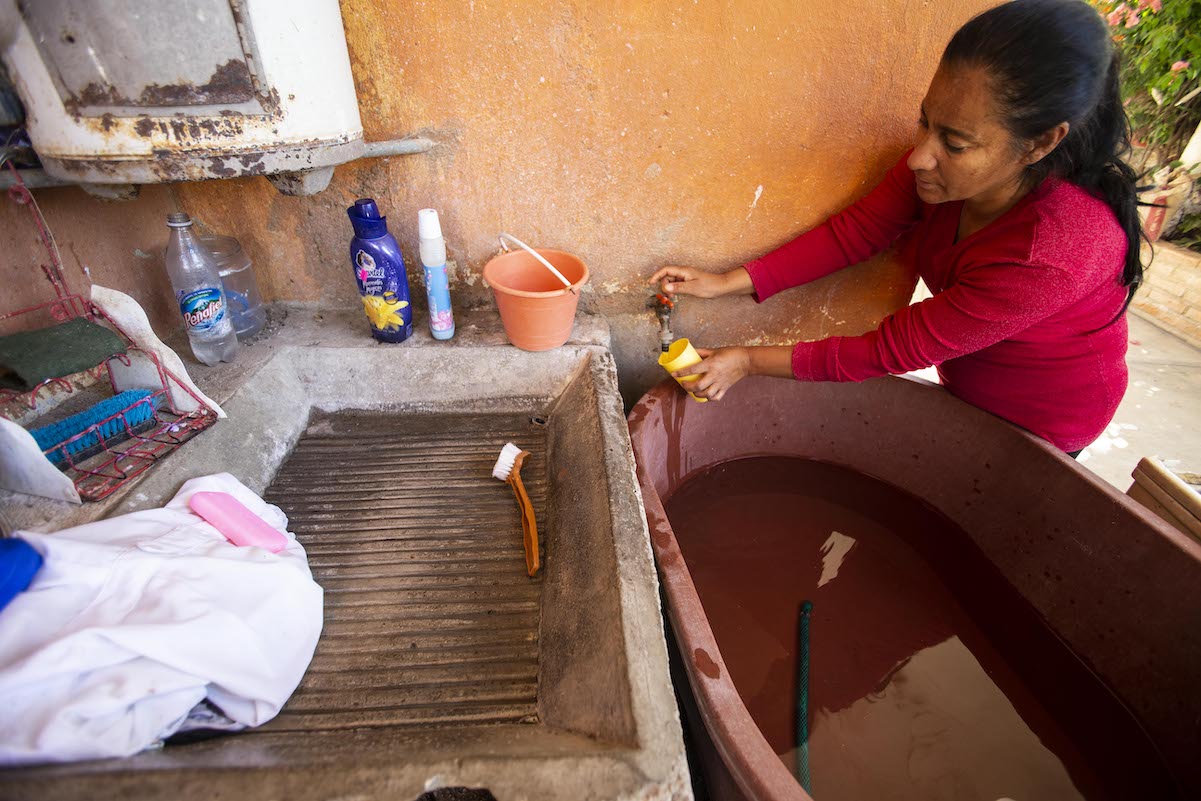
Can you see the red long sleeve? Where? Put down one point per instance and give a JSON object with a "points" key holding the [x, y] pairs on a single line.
{"points": [[853, 235], [990, 303], [1022, 322]]}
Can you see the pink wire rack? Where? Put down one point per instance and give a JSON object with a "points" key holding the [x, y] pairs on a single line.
{"points": [[136, 448]]}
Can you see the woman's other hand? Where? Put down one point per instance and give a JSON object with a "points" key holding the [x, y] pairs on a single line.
{"points": [[700, 284], [717, 371], [721, 368]]}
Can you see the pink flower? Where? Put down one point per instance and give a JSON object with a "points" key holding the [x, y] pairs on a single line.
{"points": [[1179, 65], [1154, 5], [1117, 15], [1132, 19]]}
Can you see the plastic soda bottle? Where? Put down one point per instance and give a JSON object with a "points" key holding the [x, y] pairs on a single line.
{"points": [[197, 284]]}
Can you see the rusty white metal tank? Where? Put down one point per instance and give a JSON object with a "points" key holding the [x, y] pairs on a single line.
{"points": [[130, 92]]}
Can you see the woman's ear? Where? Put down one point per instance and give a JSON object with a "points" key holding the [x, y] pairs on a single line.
{"points": [[1042, 145]]}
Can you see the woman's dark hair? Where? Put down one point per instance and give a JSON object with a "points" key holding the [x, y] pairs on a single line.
{"points": [[1052, 61]]}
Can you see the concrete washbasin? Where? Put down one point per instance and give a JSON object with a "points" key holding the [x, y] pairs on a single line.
{"points": [[441, 663]]}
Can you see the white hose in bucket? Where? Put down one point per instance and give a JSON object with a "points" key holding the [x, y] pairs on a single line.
{"points": [[503, 236]]}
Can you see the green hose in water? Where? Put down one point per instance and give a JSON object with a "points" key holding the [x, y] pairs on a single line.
{"points": [[802, 700]]}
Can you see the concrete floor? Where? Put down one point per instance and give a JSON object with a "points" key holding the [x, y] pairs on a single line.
{"points": [[1161, 413]]}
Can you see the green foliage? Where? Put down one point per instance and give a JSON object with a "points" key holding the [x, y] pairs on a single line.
{"points": [[1160, 44], [1188, 232]]}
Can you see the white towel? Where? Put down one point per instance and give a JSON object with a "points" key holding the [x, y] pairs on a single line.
{"points": [[135, 620]]}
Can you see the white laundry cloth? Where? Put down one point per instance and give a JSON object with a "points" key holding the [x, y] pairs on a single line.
{"points": [[133, 621]]}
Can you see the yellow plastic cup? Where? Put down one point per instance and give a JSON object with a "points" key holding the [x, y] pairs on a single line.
{"points": [[680, 355]]}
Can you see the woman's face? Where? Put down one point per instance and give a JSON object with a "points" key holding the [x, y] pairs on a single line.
{"points": [[963, 151]]}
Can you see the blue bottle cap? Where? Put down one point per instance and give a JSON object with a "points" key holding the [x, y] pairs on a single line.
{"points": [[366, 208], [366, 220], [19, 562]]}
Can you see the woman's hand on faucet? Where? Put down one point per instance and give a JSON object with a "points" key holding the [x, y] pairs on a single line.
{"points": [[678, 280]]}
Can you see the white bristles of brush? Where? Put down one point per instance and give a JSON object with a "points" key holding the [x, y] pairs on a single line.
{"points": [[505, 462]]}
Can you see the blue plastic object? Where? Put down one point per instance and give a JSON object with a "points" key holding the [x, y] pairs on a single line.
{"points": [[141, 408], [19, 563]]}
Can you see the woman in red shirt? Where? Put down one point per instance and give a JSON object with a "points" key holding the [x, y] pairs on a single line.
{"points": [[1019, 214]]}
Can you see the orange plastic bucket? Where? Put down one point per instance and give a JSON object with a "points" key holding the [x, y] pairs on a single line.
{"points": [[536, 310]]}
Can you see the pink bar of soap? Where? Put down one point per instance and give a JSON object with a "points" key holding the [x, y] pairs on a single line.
{"points": [[239, 525]]}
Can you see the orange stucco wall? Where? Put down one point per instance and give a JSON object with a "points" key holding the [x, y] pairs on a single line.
{"points": [[634, 134]]}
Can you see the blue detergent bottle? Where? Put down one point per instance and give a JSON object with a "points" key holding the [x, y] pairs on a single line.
{"points": [[379, 270]]}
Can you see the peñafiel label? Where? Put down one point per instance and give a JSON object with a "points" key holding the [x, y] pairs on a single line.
{"points": [[202, 310]]}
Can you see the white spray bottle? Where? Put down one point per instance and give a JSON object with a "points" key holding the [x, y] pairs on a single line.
{"points": [[437, 284]]}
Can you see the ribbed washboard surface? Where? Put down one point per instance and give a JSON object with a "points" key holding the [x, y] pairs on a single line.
{"points": [[430, 618]]}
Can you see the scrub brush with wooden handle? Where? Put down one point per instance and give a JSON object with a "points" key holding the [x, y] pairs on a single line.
{"points": [[508, 469]]}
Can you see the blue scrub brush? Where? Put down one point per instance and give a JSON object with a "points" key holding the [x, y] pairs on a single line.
{"points": [[138, 405]]}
